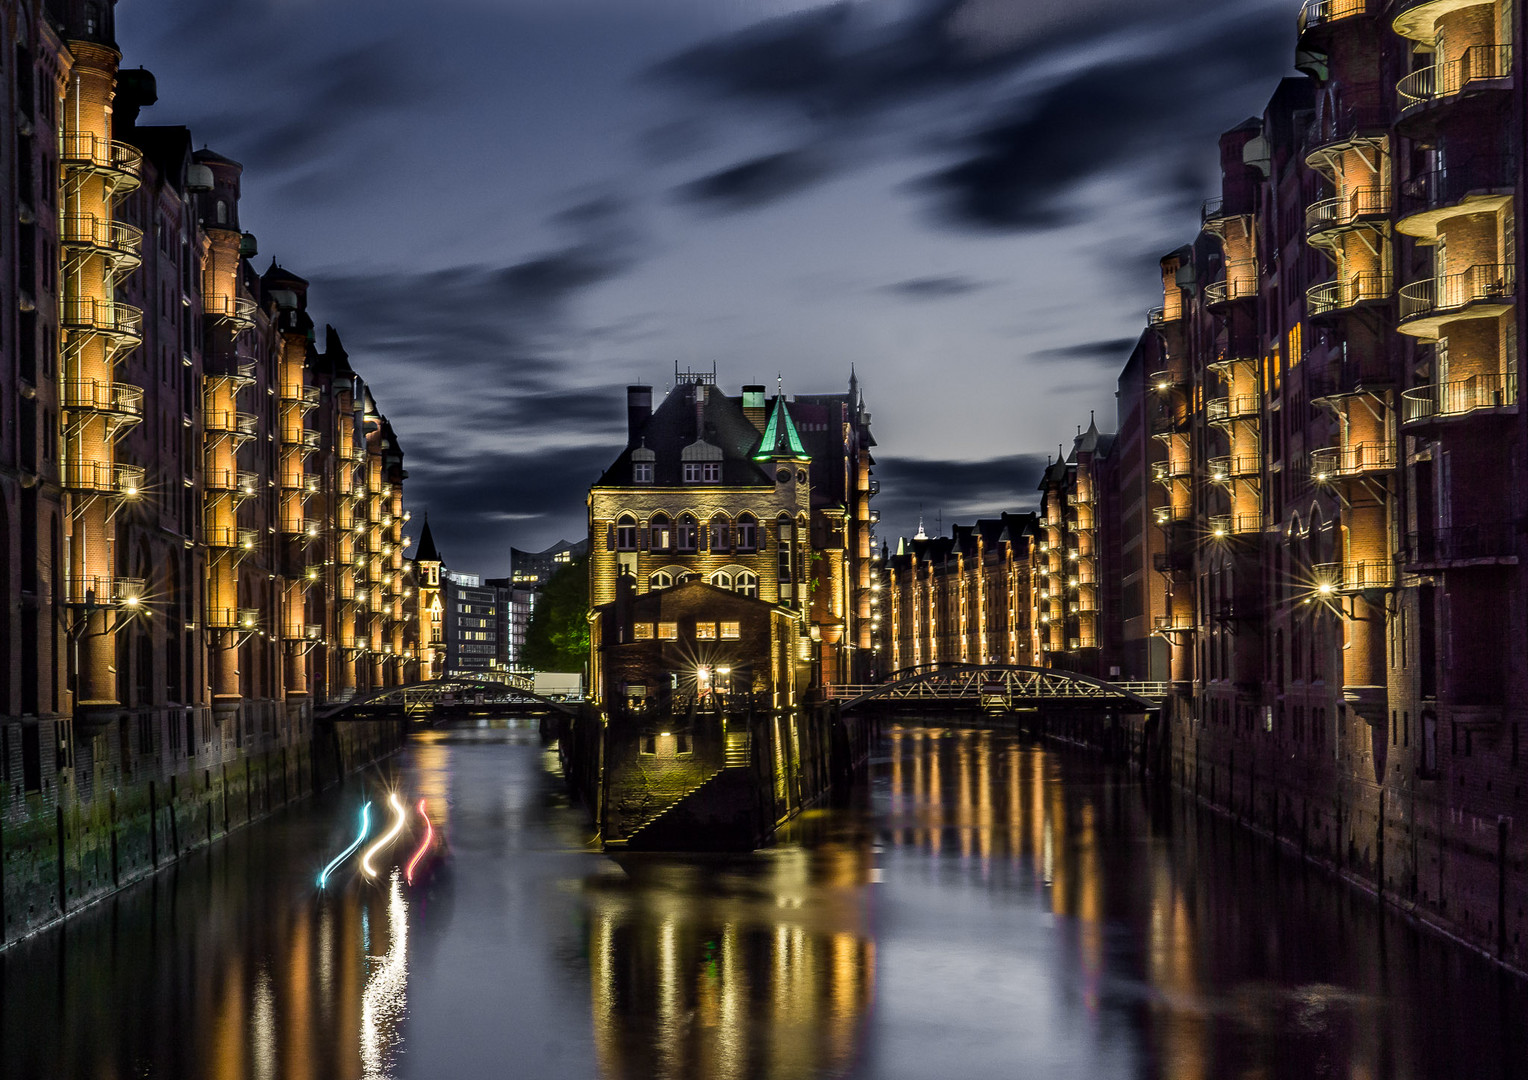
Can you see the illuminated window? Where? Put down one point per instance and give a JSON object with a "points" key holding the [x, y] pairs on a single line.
{"points": [[705, 631], [660, 579], [685, 533], [662, 532], [642, 631], [721, 579], [747, 533], [668, 631], [731, 631], [746, 582]]}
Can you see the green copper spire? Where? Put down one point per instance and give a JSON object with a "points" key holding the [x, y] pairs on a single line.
{"points": [[781, 440]]}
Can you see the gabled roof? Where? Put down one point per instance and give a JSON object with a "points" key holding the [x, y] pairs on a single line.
{"points": [[679, 423], [780, 439]]}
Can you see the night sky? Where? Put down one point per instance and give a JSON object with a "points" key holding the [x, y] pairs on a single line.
{"points": [[510, 209]]}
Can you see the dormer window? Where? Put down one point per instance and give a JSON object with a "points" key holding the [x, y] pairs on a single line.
{"points": [[702, 472], [642, 472]]}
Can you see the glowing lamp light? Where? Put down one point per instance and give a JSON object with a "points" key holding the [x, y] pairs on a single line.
{"points": [[1325, 588], [724, 671], [323, 878], [1163, 385], [1220, 532], [131, 601], [1321, 478]]}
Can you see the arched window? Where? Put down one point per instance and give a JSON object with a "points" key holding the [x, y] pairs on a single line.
{"points": [[721, 534], [222, 212], [747, 533], [626, 533], [721, 579], [685, 533], [660, 579], [746, 582], [682, 578], [662, 532]]}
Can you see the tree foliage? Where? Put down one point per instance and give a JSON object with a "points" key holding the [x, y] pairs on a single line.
{"points": [[558, 636]]}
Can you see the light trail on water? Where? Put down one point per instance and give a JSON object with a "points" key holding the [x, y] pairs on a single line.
{"points": [[323, 878]]}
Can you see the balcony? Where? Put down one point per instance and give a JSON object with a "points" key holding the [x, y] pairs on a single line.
{"points": [[1366, 207], [1483, 291], [300, 525], [234, 312], [1334, 463], [1214, 214], [1168, 516], [242, 424], [104, 590], [1487, 544], [1240, 283], [304, 397], [1331, 298], [1167, 423], [307, 440], [1225, 363], [352, 452], [1076, 643], [1480, 69], [220, 536], [1353, 577], [122, 400], [1225, 469], [1343, 127], [229, 618], [1317, 16], [247, 540], [1229, 410], [1223, 526], [1475, 186], [116, 241], [1456, 398], [119, 163], [1171, 562], [1167, 625], [242, 483], [1165, 472], [103, 478], [122, 323]]}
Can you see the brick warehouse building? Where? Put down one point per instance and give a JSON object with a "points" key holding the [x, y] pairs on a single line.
{"points": [[766, 498], [200, 510], [1321, 460]]}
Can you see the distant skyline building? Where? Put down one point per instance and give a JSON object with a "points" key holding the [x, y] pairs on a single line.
{"points": [[535, 568]]}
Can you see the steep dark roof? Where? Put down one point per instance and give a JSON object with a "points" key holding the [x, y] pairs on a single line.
{"points": [[674, 426], [278, 275], [427, 552]]}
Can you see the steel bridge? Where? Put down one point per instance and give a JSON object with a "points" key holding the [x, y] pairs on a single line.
{"points": [[425, 700], [1001, 687]]}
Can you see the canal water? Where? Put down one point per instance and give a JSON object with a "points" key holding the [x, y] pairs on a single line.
{"points": [[982, 908]]}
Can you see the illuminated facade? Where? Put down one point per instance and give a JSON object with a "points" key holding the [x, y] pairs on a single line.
{"points": [[200, 512], [727, 490], [1335, 447], [964, 598]]}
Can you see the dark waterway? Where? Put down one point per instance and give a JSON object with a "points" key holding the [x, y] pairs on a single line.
{"points": [[984, 908]]}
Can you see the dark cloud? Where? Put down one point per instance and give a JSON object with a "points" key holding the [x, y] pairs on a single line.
{"points": [[1113, 352], [1023, 168], [757, 182], [959, 491], [941, 287]]}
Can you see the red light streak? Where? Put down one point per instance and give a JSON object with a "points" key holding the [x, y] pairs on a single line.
{"points": [[429, 836]]}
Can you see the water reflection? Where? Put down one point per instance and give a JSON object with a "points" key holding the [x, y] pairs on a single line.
{"points": [[384, 1003], [760, 966]]}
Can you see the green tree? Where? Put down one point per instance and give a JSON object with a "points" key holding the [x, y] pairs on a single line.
{"points": [[558, 636]]}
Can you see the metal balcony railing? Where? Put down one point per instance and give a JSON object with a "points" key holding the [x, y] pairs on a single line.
{"points": [[235, 423], [1240, 283], [1452, 185], [103, 478], [1348, 121], [110, 317], [305, 396], [1172, 624], [238, 312], [1361, 288], [116, 239], [1225, 525], [85, 151], [1230, 409], [1318, 13], [1230, 467], [1492, 283], [1164, 472], [1168, 422], [1354, 576], [104, 590], [1463, 543], [1458, 397], [1340, 462], [1479, 63], [247, 540], [222, 618], [1171, 515], [97, 395], [1352, 208], [220, 536]]}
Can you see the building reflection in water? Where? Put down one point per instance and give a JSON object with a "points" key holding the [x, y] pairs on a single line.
{"points": [[724, 968], [385, 999]]}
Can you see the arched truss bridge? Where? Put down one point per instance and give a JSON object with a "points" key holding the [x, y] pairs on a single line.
{"points": [[423, 700], [1001, 686]]}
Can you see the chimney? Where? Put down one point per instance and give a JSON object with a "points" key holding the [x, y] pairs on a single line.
{"points": [[754, 407], [639, 409]]}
